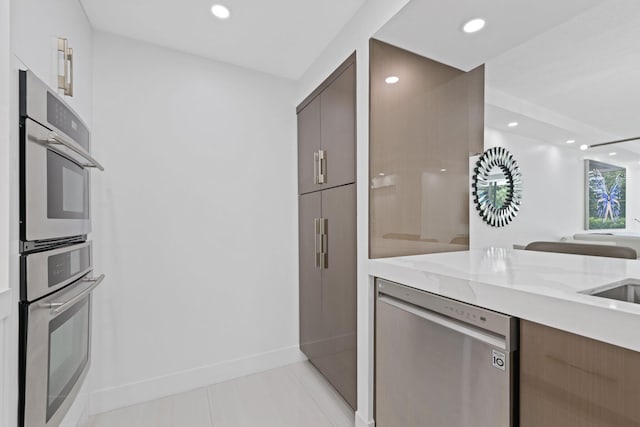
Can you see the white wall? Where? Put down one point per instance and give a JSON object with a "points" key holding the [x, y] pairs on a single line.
{"points": [[553, 203], [6, 300], [633, 201], [194, 222], [5, 91], [141, 352], [35, 28]]}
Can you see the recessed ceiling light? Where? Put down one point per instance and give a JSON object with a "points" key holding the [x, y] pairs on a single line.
{"points": [[443, 170], [570, 141], [613, 153], [220, 11], [392, 80], [513, 124], [381, 174], [474, 25], [584, 147]]}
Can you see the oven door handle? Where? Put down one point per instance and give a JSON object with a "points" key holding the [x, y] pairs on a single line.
{"points": [[60, 307], [55, 139]]}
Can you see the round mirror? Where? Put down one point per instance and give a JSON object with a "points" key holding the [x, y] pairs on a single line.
{"points": [[497, 187]]}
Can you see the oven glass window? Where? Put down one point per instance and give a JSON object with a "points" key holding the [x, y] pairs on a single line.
{"points": [[72, 186], [67, 188], [68, 353]]}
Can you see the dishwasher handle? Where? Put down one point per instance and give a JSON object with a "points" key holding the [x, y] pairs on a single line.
{"points": [[472, 331]]}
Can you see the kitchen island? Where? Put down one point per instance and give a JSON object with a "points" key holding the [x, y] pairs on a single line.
{"points": [[541, 287], [538, 287]]}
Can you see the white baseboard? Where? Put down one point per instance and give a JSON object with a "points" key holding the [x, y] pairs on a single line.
{"points": [[361, 421], [154, 388]]}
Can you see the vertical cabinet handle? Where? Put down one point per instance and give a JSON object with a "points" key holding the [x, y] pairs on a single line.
{"points": [[316, 167], [317, 240], [321, 227], [63, 46], [324, 255], [69, 91], [65, 80], [322, 166]]}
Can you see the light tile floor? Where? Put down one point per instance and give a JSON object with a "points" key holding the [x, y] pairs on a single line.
{"points": [[291, 396]]}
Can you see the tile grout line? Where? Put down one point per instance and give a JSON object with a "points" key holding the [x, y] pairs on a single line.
{"points": [[308, 393], [322, 410], [206, 390], [332, 390]]}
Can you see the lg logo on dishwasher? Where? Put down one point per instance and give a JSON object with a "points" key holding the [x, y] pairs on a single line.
{"points": [[498, 360]]}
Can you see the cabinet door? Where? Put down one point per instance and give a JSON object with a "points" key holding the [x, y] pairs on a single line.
{"points": [[310, 285], [422, 130], [567, 380], [338, 133], [338, 360], [308, 144]]}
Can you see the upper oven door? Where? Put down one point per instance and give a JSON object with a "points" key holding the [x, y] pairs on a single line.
{"points": [[56, 188], [55, 159]]}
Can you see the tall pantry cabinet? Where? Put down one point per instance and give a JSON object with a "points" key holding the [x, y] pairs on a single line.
{"points": [[327, 228]]}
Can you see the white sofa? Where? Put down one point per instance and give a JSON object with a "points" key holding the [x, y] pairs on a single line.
{"points": [[620, 238]]}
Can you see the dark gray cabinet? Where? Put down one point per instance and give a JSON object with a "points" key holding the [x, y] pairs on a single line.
{"points": [[327, 132], [327, 228], [308, 147], [310, 274], [328, 326]]}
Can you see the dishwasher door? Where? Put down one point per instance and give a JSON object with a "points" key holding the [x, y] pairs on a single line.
{"points": [[442, 363]]}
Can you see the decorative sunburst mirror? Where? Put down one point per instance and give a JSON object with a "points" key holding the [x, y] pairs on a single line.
{"points": [[497, 187]]}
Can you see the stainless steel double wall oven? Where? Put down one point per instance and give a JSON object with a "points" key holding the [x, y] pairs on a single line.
{"points": [[56, 269]]}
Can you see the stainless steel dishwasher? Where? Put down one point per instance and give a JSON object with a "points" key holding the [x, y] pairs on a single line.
{"points": [[442, 363]]}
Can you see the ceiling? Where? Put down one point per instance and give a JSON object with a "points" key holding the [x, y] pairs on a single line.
{"points": [[587, 69], [280, 37], [433, 28], [579, 80], [627, 154], [563, 69]]}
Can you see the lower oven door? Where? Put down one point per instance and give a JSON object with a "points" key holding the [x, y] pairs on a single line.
{"points": [[46, 272], [55, 340]]}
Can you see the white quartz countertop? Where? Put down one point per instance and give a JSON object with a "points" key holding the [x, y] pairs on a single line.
{"points": [[538, 286]]}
